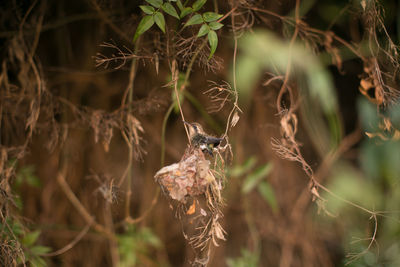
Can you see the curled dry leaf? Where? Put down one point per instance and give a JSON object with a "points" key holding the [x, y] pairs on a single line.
{"points": [[192, 208], [315, 194], [235, 119], [135, 126]]}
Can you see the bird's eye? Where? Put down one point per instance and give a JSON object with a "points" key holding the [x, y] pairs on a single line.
{"points": [[195, 127]]}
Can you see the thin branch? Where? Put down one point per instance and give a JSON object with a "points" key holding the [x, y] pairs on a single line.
{"points": [[69, 245], [90, 220]]}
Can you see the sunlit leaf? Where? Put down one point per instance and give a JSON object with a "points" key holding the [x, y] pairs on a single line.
{"points": [[186, 11], [155, 3], [160, 21], [215, 25], [204, 29], [213, 41], [147, 9], [211, 16], [195, 19], [267, 192], [198, 4], [169, 9], [255, 177], [144, 25]]}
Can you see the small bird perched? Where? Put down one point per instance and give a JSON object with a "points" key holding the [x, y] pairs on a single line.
{"points": [[199, 138]]}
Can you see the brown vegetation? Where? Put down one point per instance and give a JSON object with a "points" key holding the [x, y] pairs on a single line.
{"points": [[96, 168]]}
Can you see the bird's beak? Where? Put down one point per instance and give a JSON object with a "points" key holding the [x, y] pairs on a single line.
{"points": [[185, 122]]}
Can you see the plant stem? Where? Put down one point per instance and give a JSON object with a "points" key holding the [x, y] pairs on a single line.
{"points": [[164, 126], [181, 89], [132, 75]]}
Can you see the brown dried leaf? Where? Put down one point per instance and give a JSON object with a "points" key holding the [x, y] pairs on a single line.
{"points": [[366, 84], [387, 124], [380, 135], [192, 208], [235, 119], [315, 193]]}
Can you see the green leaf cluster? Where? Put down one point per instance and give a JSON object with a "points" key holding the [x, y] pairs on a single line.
{"points": [[27, 175], [135, 242], [154, 15], [255, 179], [26, 242], [209, 26], [247, 259]]}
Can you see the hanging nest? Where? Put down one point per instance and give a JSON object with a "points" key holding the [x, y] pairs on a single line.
{"points": [[194, 185], [189, 177]]}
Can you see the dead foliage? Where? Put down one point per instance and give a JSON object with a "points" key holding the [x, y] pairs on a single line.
{"points": [[107, 116]]}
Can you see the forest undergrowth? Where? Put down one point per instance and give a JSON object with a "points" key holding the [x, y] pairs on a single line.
{"points": [[98, 166]]}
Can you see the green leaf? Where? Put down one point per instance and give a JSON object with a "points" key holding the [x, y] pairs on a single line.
{"points": [[37, 262], [211, 16], [27, 175], [196, 19], [204, 29], [155, 3], [147, 235], [30, 238], [16, 227], [186, 11], [255, 177], [239, 170], [213, 41], [144, 25], [198, 4], [267, 192], [160, 21], [215, 25], [149, 10], [368, 114], [169, 9], [39, 250], [247, 259], [179, 4]]}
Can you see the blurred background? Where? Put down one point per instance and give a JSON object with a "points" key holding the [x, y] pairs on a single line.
{"points": [[306, 91]]}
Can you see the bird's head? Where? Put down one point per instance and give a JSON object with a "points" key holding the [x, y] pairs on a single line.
{"points": [[194, 128]]}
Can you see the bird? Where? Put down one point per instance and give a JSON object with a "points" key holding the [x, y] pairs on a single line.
{"points": [[198, 138]]}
